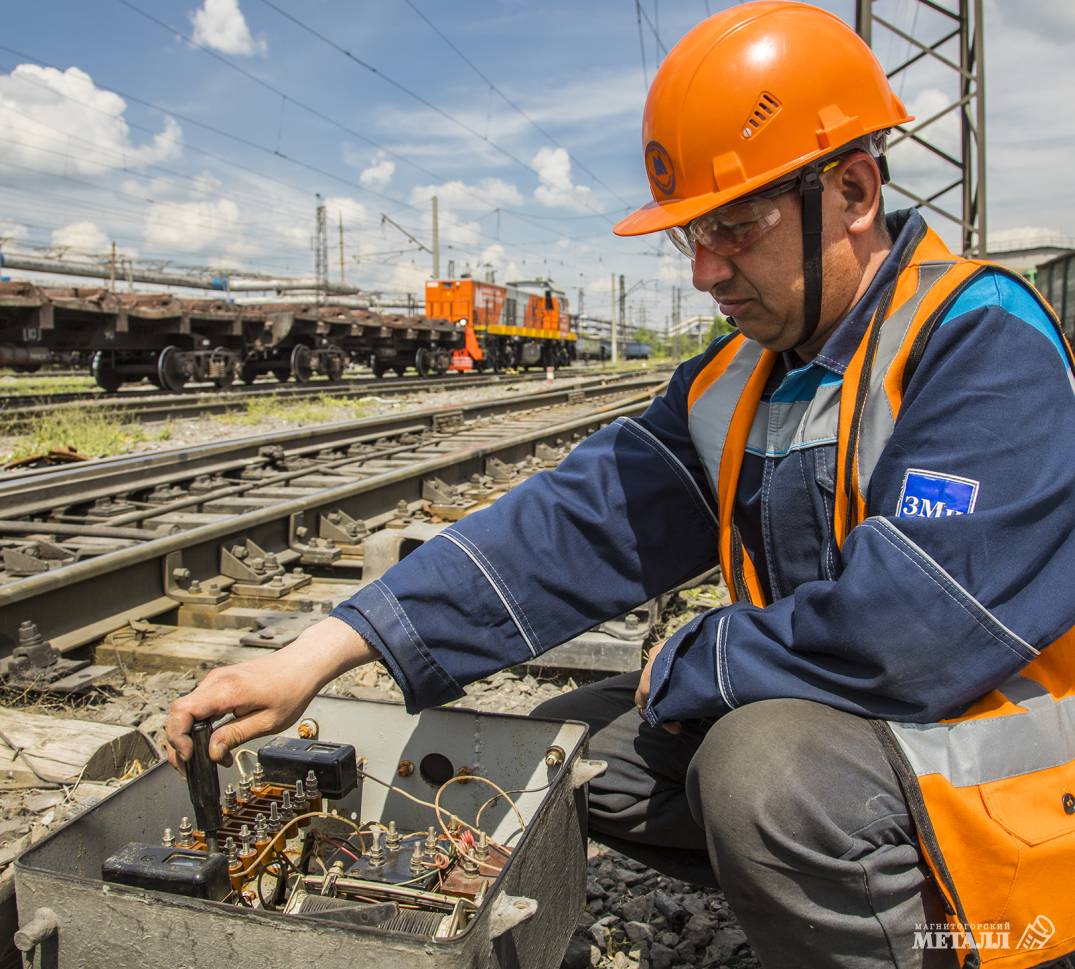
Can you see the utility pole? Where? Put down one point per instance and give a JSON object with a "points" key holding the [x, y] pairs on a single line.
{"points": [[436, 241], [321, 252], [623, 304], [612, 318], [112, 273], [340, 214]]}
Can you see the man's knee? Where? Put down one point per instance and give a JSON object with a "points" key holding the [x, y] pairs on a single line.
{"points": [[784, 771]]}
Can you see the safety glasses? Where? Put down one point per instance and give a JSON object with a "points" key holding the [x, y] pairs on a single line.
{"points": [[733, 228]]}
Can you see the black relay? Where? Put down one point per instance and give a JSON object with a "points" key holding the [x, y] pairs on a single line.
{"points": [[180, 871], [286, 760]]}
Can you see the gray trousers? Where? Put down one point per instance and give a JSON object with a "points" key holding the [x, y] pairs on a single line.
{"points": [[790, 806]]}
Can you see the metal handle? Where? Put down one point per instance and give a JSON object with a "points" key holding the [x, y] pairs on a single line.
{"points": [[203, 783], [44, 923]]}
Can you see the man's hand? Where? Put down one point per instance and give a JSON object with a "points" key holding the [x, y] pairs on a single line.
{"points": [[642, 693], [266, 694]]}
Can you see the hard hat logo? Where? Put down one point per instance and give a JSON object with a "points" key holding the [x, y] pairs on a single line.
{"points": [[659, 167]]}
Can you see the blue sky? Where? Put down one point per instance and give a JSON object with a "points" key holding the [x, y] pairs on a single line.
{"points": [[86, 166]]}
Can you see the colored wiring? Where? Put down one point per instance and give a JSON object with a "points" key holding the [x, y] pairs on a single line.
{"points": [[246, 777]]}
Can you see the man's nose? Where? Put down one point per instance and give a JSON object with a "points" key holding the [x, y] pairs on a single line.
{"points": [[710, 269]]}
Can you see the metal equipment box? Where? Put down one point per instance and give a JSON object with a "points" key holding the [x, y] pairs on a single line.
{"points": [[523, 921]]}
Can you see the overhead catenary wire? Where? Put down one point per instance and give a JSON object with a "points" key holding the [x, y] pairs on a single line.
{"points": [[231, 136], [649, 23], [398, 85], [246, 142], [321, 115], [493, 87], [642, 45]]}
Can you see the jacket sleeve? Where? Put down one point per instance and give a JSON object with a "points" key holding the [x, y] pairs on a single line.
{"points": [[626, 516], [928, 613]]}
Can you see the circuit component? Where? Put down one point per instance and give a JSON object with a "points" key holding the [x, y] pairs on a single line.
{"points": [[180, 871], [282, 851], [286, 760]]}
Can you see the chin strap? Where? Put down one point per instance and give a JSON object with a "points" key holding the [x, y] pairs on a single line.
{"points": [[810, 188]]}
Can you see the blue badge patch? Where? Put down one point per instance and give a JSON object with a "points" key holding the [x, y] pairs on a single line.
{"points": [[659, 167], [927, 494]]}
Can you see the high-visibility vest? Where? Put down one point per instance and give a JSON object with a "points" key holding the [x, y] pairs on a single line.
{"points": [[992, 791]]}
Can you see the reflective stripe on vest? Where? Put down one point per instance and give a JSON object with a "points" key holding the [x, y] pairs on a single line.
{"points": [[992, 791]]}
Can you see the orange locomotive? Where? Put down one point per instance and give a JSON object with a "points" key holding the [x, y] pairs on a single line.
{"points": [[521, 324]]}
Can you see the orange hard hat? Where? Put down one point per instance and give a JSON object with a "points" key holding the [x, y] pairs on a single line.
{"points": [[750, 94]]}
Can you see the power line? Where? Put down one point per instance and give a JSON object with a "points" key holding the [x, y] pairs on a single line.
{"points": [[656, 34], [394, 83], [642, 45], [275, 90], [398, 85], [493, 87], [196, 187], [251, 144], [239, 139]]}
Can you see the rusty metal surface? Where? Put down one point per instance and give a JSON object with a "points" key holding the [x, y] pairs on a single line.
{"points": [[159, 306]]}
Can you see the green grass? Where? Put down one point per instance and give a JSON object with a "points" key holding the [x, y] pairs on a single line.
{"points": [[322, 409], [43, 384], [96, 433]]}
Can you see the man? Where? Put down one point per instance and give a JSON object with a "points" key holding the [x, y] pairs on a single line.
{"points": [[870, 749]]}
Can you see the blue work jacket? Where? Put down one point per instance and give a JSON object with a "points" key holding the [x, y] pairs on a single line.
{"points": [[630, 513]]}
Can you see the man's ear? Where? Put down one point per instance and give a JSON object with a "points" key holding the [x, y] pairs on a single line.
{"points": [[859, 186]]}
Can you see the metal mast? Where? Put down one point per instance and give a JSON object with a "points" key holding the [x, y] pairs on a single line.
{"points": [[952, 39], [321, 252]]}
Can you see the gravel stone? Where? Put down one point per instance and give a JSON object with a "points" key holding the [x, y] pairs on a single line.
{"points": [[723, 947], [578, 954], [661, 956], [638, 909]]}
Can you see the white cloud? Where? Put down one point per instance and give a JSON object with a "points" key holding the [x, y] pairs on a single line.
{"points": [[556, 190], [189, 227], [83, 236], [48, 116], [220, 24], [489, 193], [378, 174], [11, 232]]}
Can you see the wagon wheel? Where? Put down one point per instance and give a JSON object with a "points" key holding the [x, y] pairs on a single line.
{"points": [[302, 364], [423, 361], [104, 372], [171, 374]]}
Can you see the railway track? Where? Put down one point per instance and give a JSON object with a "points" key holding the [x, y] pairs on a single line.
{"points": [[151, 405], [124, 577], [239, 545]]}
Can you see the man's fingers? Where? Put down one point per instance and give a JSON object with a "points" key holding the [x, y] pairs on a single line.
{"points": [[210, 700], [177, 728], [673, 727], [237, 732]]}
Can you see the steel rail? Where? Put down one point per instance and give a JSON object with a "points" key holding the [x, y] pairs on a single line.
{"points": [[38, 491], [75, 605], [149, 406]]}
